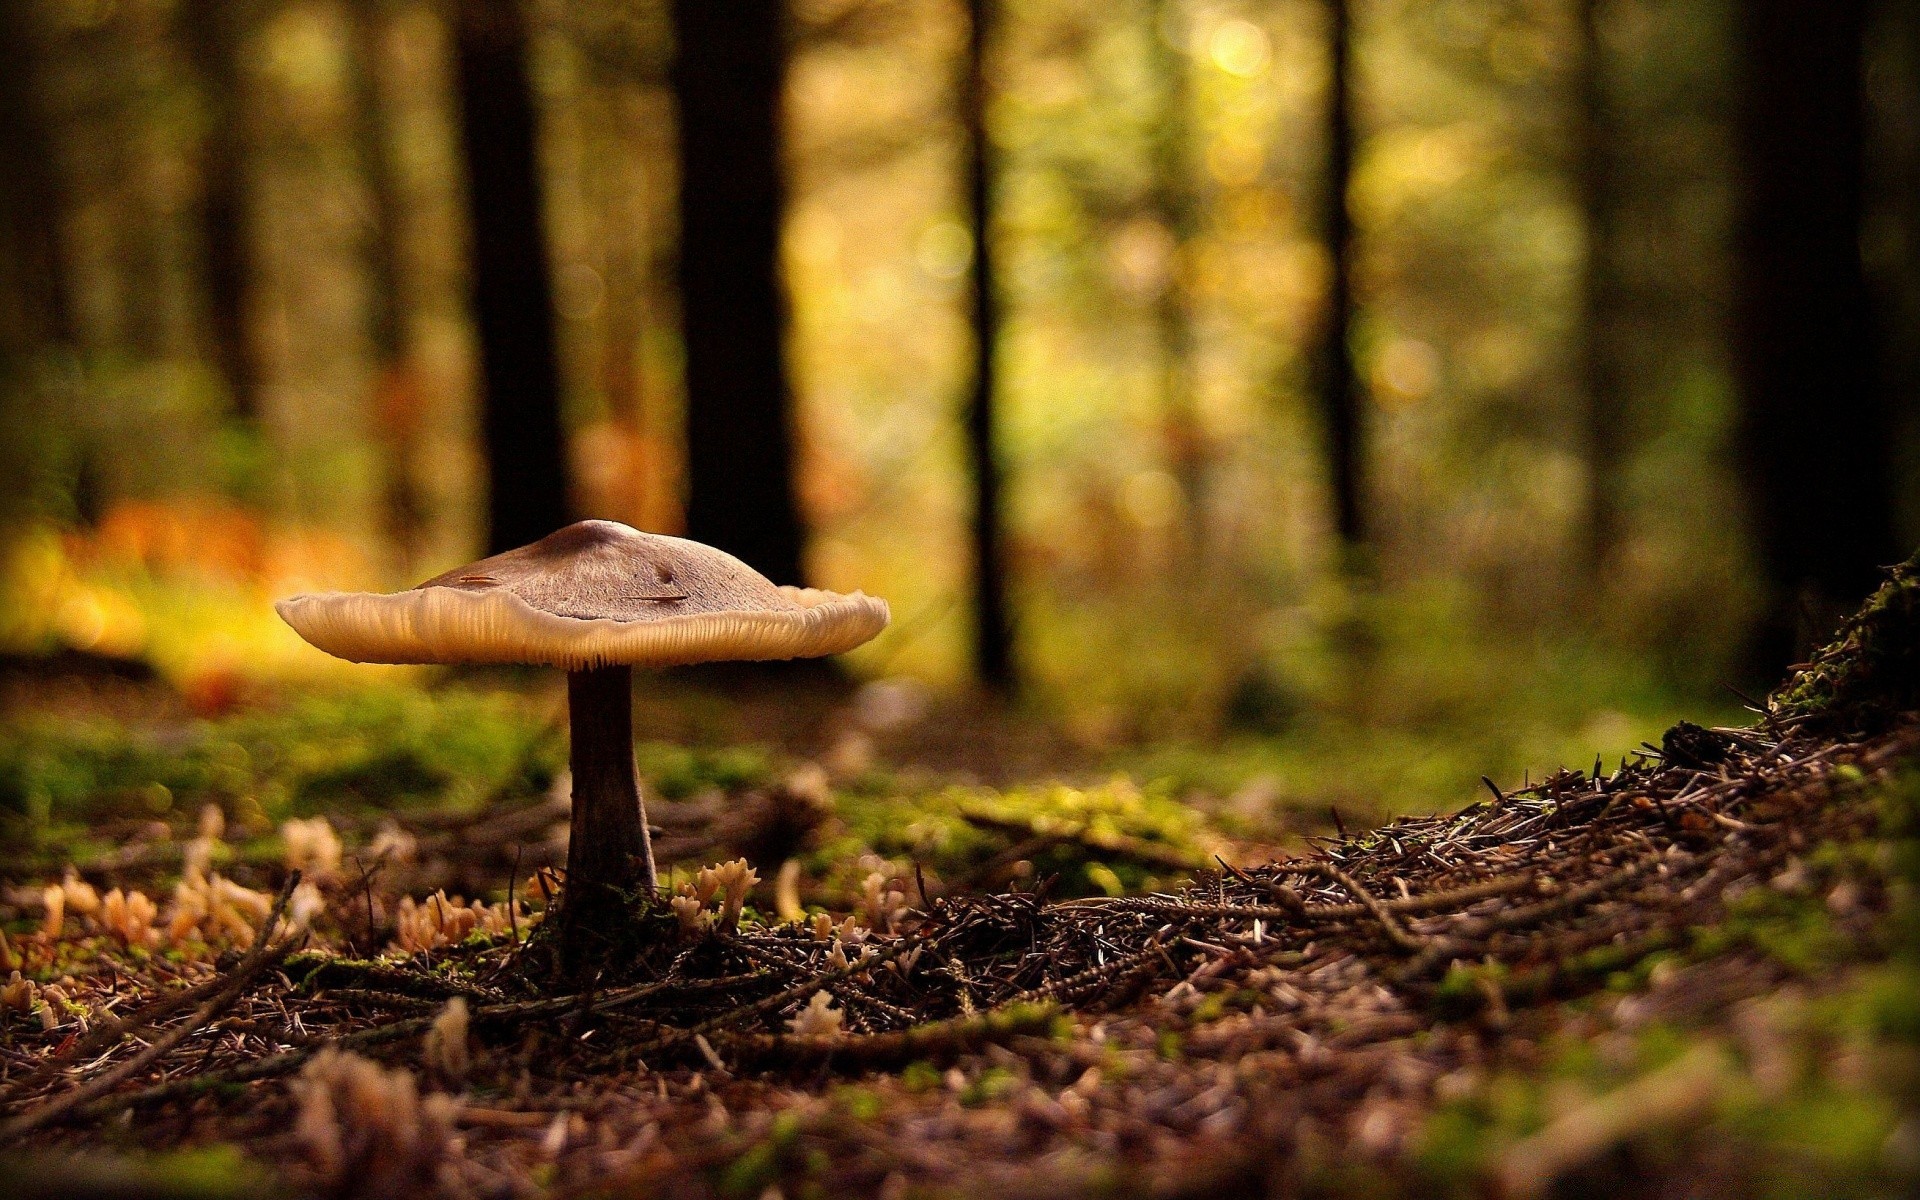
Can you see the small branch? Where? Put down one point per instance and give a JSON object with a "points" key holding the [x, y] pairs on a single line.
{"points": [[1395, 931], [937, 1040], [288, 1061], [1450, 945], [108, 1033], [1064, 990], [264, 956]]}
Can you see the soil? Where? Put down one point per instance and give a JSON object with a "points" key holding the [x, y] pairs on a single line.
{"points": [[1323, 1024]]}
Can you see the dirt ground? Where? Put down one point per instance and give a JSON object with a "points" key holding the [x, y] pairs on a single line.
{"points": [[1693, 974]]}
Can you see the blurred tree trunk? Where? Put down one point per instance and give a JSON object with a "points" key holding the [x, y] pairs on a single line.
{"points": [[1339, 404], [1600, 318], [512, 276], [397, 398], [39, 308], [1176, 208], [992, 626], [728, 74], [1894, 263], [215, 32], [36, 310], [1816, 435]]}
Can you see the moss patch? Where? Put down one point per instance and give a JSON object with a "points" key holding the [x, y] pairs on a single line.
{"points": [[1870, 672]]}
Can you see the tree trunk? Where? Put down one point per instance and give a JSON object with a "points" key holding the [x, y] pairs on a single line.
{"points": [[215, 32], [1176, 208], [396, 390], [1601, 376], [1816, 434], [38, 307], [512, 277], [992, 628], [1339, 405], [36, 311], [728, 74]]}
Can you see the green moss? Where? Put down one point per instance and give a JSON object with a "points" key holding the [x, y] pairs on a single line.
{"points": [[1114, 837], [1870, 672], [1453, 1149], [991, 1084], [1212, 1008], [677, 772], [1793, 929], [390, 775], [920, 1076], [762, 1164], [1464, 987], [859, 1103], [376, 748]]}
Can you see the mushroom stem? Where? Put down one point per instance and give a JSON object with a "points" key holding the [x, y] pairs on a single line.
{"points": [[608, 850]]}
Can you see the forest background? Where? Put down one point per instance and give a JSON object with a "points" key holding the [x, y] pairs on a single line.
{"points": [[1470, 384]]}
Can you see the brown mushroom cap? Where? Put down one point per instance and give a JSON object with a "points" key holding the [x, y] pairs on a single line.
{"points": [[594, 594]]}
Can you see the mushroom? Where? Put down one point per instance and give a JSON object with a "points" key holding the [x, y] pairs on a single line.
{"points": [[597, 598]]}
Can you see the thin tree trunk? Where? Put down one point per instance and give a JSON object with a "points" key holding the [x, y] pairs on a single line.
{"points": [[728, 73], [36, 310], [512, 276], [992, 627], [214, 32], [396, 391], [40, 309], [1339, 405], [1176, 207], [1601, 377], [1816, 434]]}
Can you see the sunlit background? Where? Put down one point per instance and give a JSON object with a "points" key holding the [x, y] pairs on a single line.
{"points": [[1164, 277]]}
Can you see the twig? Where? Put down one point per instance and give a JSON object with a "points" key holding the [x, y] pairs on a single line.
{"points": [[1395, 931], [110, 1032], [288, 1061], [1167, 907], [1073, 985], [780, 999], [1449, 946], [262, 957], [936, 1040], [1279, 891], [1424, 902], [1678, 1093]]}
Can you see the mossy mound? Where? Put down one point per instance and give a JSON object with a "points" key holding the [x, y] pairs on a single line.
{"points": [[1870, 672]]}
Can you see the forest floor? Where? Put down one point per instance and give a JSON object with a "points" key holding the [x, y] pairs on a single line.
{"points": [[1695, 974]]}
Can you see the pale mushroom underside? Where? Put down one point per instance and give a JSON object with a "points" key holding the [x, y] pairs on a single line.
{"points": [[452, 625]]}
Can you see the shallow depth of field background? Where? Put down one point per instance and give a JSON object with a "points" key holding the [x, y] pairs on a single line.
{"points": [[1179, 601]]}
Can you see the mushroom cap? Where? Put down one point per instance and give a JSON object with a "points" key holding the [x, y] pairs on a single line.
{"points": [[594, 594]]}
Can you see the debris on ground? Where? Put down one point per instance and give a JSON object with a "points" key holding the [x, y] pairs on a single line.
{"points": [[1553, 984]]}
